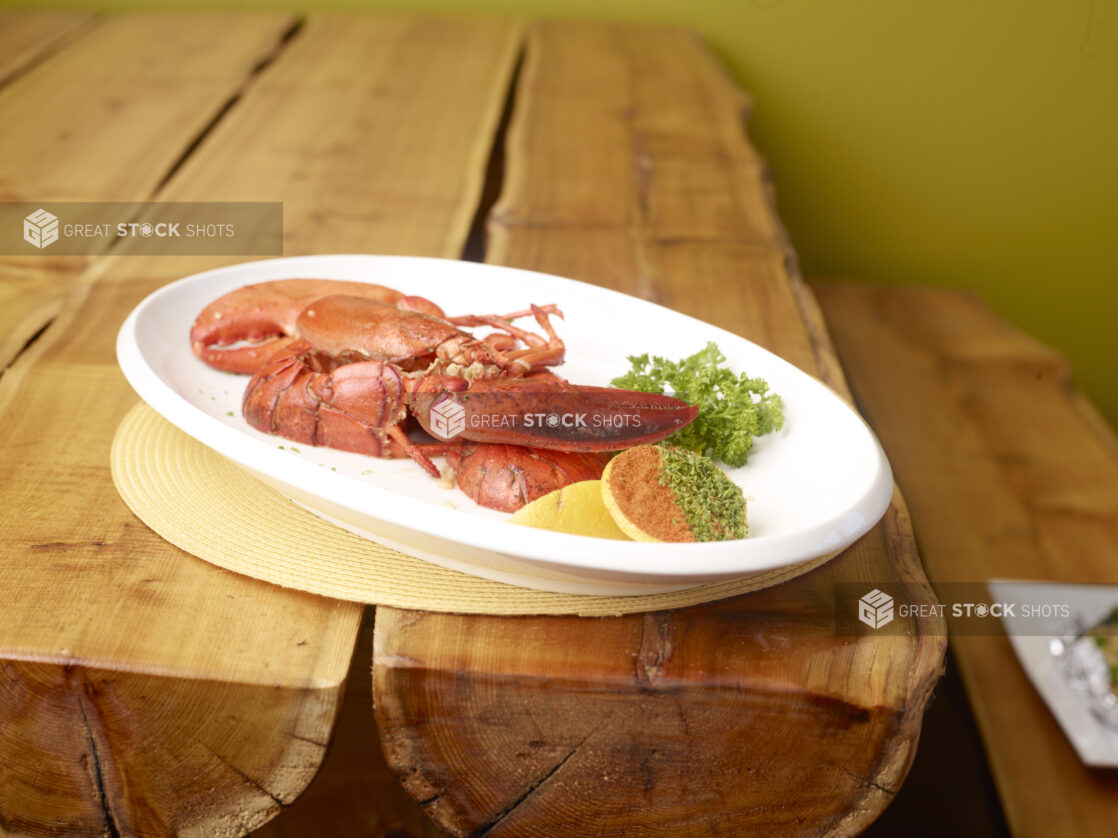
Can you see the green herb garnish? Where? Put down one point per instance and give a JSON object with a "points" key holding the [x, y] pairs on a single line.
{"points": [[732, 408]]}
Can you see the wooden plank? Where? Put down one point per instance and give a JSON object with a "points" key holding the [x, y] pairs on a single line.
{"points": [[155, 693], [1009, 477], [683, 172], [422, 98], [27, 36], [106, 118], [145, 83], [626, 166]]}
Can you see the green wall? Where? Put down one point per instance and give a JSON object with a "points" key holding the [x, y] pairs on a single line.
{"points": [[968, 144]]}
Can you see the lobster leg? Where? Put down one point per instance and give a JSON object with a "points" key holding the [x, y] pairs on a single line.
{"points": [[488, 319], [540, 352], [414, 451]]}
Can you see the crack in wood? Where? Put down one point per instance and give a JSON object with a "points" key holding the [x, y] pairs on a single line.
{"points": [[50, 49], [65, 40], [270, 58], [193, 145], [476, 239], [512, 222], [96, 775], [643, 165], [247, 779], [489, 825], [308, 740], [26, 346], [681, 714], [866, 782], [655, 647], [69, 545]]}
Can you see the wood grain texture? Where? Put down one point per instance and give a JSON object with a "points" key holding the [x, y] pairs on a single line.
{"points": [[1010, 474], [103, 752], [627, 166], [733, 718], [105, 114], [104, 118], [373, 131], [208, 698], [27, 36], [152, 693]]}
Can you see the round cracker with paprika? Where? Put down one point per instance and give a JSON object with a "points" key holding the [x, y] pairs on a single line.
{"points": [[661, 493]]}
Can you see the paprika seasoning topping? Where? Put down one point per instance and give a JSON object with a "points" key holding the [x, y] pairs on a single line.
{"points": [[661, 493]]}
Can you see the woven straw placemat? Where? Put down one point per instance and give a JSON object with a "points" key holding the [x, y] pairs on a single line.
{"points": [[200, 501]]}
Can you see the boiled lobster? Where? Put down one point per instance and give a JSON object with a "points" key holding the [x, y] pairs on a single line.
{"points": [[506, 477], [343, 369], [241, 330]]}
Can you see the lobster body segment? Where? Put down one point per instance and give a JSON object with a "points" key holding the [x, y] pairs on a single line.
{"points": [[306, 397], [345, 326]]}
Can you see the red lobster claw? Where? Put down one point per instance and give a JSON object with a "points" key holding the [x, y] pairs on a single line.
{"points": [[242, 330], [545, 413]]}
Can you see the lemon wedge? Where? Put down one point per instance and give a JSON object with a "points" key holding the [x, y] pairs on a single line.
{"points": [[577, 509]]}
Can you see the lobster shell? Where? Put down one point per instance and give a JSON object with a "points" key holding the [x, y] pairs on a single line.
{"points": [[506, 477]]}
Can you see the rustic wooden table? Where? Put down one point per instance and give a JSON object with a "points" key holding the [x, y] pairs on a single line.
{"points": [[1012, 474], [146, 692]]}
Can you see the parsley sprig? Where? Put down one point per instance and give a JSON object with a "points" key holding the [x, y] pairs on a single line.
{"points": [[732, 408]]}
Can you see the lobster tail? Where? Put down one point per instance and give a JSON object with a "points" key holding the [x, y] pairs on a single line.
{"points": [[297, 395]]}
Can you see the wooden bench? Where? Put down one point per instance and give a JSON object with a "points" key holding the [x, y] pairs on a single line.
{"points": [[1010, 473]]}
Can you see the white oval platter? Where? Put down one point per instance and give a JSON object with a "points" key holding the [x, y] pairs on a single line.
{"points": [[814, 487]]}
